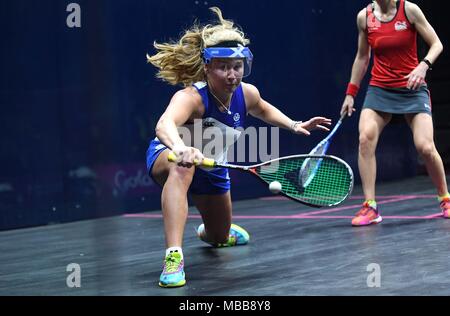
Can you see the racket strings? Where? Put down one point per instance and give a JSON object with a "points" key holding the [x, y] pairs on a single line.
{"points": [[310, 166], [330, 185]]}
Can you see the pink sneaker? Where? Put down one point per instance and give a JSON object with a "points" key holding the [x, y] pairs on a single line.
{"points": [[367, 215], [445, 207]]}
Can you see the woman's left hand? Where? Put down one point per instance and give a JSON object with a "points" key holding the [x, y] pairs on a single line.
{"points": [[317, 122], [417, 77]]}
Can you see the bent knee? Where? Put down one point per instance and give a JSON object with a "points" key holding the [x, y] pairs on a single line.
{"points": [[368, 136], [367, 141], [182, 174], [426, 149]]}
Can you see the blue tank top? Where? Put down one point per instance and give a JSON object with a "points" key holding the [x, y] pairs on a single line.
{"points": [[213, 120], [237, 106]]}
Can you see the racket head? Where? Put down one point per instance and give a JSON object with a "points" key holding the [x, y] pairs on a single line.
{"points": [[310, 166], [331, 185]]}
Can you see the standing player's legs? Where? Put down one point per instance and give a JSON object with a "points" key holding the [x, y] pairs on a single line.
{"points": [[217, 230], [371, 124], [421, 125], [175, 181]]}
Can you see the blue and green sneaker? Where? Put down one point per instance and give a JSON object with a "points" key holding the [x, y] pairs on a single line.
{"points": [[238, 236], [173, 271]]}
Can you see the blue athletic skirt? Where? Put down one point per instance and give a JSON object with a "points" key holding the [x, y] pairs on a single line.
{"points": [[398, 101], [205, 182]]}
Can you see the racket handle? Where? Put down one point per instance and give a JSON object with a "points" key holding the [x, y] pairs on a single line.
{"points": [[207, 162], [172, 157]]}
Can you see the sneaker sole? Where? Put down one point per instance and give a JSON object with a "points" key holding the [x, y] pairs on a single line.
{"points": [[372, 222], [181, 283]]}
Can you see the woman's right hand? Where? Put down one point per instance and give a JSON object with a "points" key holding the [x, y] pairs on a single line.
{"points": [[347, 106], [187, 156]]}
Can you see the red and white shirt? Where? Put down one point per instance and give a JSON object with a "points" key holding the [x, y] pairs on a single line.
{"points": [[394, 45]]}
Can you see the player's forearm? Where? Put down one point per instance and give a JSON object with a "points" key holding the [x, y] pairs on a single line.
{"points": [[434, 52], [271, 115], [167, 133]]}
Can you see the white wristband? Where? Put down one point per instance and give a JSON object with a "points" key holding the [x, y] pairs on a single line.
{"points": [[294, 124]]}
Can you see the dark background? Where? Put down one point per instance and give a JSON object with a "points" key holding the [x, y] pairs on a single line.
{"points": [[79, 105]]}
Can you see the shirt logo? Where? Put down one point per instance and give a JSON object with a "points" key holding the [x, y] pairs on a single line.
{"points": [[373, 23], [208, 123], [401, 26], [236, 117]]}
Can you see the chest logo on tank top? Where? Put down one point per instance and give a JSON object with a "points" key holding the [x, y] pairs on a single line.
{"points": [[401, 26], [208, 122], [373, 24]]}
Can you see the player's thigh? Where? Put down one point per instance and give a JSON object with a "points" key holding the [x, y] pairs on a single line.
{"points": [[372, 123], [421, 125]]}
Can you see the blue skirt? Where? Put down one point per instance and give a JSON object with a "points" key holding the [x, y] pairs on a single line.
{"points": [[205, 182], [398, 101]]}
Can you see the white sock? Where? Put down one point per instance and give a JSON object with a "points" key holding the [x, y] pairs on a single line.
{"points": [[441, 198], [174, 249], [201, 230]]}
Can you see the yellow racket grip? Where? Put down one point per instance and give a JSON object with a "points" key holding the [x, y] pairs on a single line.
{"points": [[207, 162], [172, 157]]}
